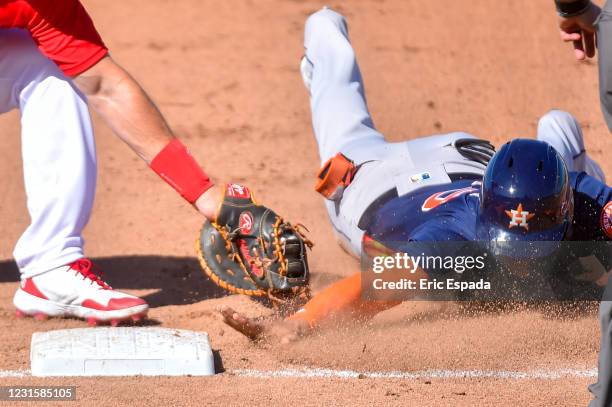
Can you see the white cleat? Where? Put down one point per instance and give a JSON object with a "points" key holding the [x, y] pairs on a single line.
{"points": [[75, 290]]}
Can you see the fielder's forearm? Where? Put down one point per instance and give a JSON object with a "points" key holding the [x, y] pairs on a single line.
{"points": [[125, 107], [133, 116]]}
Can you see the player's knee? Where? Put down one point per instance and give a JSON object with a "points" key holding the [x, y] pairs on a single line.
{"points": [[326, 19], [556, 120], [562, 131], [556, 116]]}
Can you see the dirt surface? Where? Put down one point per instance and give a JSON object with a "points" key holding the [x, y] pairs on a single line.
{"points": [[226, 76]]}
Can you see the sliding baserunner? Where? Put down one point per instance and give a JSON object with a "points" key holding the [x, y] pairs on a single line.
{"points": [[451, 187]]}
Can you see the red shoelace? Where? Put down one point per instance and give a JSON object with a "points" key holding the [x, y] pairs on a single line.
{"points": [[87, 269]]}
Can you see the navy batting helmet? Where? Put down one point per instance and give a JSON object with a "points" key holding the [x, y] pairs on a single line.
{"points": [[526, 194]]}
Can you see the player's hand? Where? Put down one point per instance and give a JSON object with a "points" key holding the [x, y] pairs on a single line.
{"points": [[282, 331], [580, 31], [249, 327]]}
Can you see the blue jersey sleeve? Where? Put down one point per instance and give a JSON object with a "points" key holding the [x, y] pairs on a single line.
{"points": [[435, 232], [433, 241], [590, 199], [421, 241]]}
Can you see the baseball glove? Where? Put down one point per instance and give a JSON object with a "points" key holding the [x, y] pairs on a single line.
{"points": [[251, 250]]}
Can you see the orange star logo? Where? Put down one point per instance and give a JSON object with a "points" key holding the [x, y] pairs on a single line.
{"points": [[519, 217]]}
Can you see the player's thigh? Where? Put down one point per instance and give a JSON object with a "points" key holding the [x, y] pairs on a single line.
{"points": [[21, 64]]}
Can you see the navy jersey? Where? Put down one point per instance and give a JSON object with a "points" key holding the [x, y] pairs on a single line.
{"points": [[449, 212]]}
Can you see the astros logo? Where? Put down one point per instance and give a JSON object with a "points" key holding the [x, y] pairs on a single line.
{"points": [[519, 217]]}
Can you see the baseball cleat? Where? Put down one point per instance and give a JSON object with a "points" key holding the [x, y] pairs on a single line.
{"points": [[39, 316], [75, 290], [138, 317]]}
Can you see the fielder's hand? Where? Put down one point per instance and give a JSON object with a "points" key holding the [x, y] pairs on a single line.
{"points": [[580, 31]]}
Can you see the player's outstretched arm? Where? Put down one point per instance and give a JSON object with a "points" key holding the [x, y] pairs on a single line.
{"points": [[132, 115], [340, 300], [576, 24], [283, 331]]}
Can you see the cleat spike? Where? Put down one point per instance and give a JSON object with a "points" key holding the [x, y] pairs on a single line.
{"points": [[92, 321], [39, 316], [137, 317], [114, 322], [20, 314]]}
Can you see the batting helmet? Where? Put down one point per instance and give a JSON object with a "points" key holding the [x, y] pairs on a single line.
{"points": [[526, 194]]}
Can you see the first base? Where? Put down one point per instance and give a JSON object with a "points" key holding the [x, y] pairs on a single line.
{"points": [[122, 351]]}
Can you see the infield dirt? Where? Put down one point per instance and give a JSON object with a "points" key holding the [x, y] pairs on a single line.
{"points": [[225, 74]]}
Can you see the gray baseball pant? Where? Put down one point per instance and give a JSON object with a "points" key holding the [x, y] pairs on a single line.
{"points": [[602, 390], [604, 40]]}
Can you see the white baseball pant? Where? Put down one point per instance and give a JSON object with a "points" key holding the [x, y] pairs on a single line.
{"points": [[58, 149]]}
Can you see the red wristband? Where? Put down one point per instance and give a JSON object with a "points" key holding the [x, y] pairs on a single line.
{"points": [[179, 169]]}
